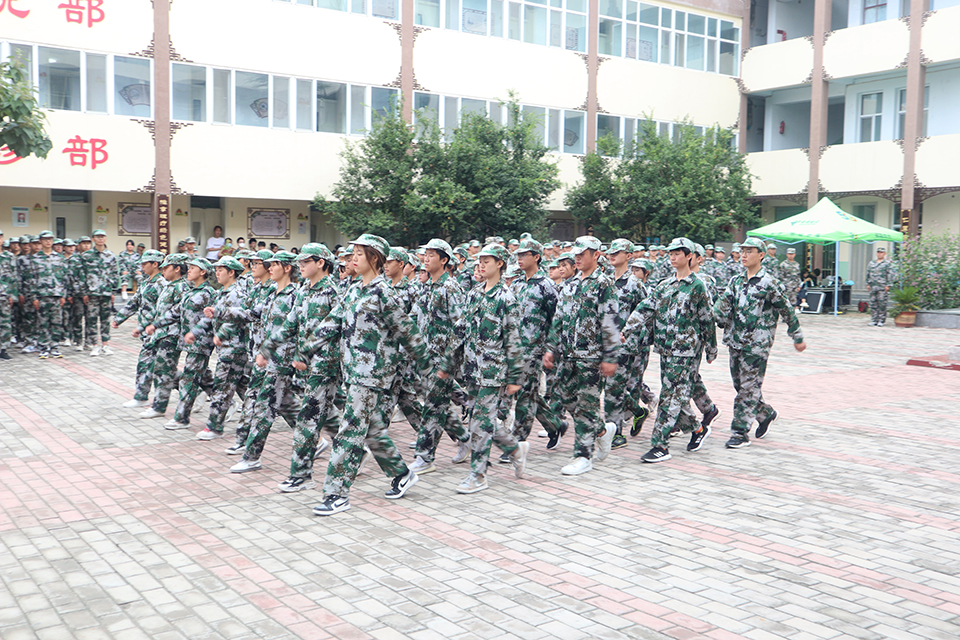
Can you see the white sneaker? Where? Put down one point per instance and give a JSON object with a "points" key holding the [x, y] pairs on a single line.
{"points": [[66, 343], [463, 453], [231, 412], [130, 404], [397, 415], [292, 485], [872, 323], [245, 465], [520, 458], [150, 413], [235, 449], [106, 351], [173, 425], [879, 324], [124, 295], [206, 434], [95, 352], [421, 466], [543, 434], [604, 441], [473, 483], [367, 454], [80, 347], [577, 466], [324, 443]]}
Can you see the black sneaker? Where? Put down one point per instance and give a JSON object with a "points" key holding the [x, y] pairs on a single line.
{"points": [[677, 431], [657, 454], [696, 440], [400, 485], [638, 421], [738, 441], [618, 442], [506, 458], [554, 440], [331, 505], [4, 355], [763, 427], [708, 418]]}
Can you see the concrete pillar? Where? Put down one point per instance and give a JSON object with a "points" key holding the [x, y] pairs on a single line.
{"points": [[913, 124]]}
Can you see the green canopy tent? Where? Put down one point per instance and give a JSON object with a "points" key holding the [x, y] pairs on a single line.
{"points": [[826, 223]]}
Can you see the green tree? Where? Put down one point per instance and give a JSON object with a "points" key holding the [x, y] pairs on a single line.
{"points": [[695, 185], [21, 121]]}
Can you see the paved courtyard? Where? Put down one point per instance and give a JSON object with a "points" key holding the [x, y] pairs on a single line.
{"points": [[842, 523]]}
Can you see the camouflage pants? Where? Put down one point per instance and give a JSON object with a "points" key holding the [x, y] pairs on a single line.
{"points": [[530, 403], [98, 310], [617, 402], [275, 397], [676, 388], [145, 362], [636, 387], [578, 387], [437, 417], [28, 323], [700, 396], [404, 395], [6, 321], [165, 374], [49, 319], [15, 321], [249, 400], [364, 422], [230, 377], [482, 406], [77, 313], [317, 414], [196, 377], [747, 371], [878, 304]]}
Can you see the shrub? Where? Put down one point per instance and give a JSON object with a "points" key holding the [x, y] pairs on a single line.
{"points": [[931, 263]]}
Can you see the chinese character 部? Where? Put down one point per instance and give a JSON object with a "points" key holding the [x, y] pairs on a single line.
{"points": [[18, 13], [80, 153], [81, 11]]}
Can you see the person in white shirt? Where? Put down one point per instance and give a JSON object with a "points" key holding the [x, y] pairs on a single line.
{"points": [[215, 243]]}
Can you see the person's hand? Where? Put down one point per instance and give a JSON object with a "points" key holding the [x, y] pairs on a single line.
{"points": [[443, 375], [512, 389], [800, 346], [114, 325], [548, 360], [69, 299], [623, 338], [607, 369], [86, 299], [190, 338], [111, 298], [208, 312], [218, 342], [150, 330], [36, 305], [13, 300], [261, 361], [886, 288], [22, 300], [135, 333], [299, 366]]}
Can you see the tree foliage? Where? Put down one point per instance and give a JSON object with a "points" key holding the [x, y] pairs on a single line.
{"points": [[694, 185], [408, 184], [21, 121]]}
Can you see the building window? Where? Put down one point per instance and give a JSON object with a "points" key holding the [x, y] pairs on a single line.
{"points": [[871, 108], [252, 99], [96, 83], [573, 131], [331, 107], [280, 115], [131, 79], [59, 78], [222, 96], [902, 112], [874, 11], [305, 105], [555, 23], [389, 9], [189, 92], [866, 212]]}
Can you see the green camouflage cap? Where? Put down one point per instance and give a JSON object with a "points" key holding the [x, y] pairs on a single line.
{"points": [[792, 250], [735, 247], [555, 243], [756, 243], [345, 251], [203, 263], [439, 245], [639, 247], [98, 232], [230, 263], [69, 243], [460, 251], [244, 254], [46, 234], [495, 251], [6, 243], [553, 264], [152, 256], [498, 239], [565, 256], [24, 239], [709, 246], [513, 271], [400, 255], [681, 243], [489, 240], [84, 239], [176, 259], [641, 263], [698, 249], [583, 243], [34, 238], [189, 240], [513, 241], [264, 254], [603, 248], [719, 250], [475, 243], [315, 250], [526, 236], [283, 257], [140, 244], [379, 244], [529, 245], [621, 244], [772, 245]]}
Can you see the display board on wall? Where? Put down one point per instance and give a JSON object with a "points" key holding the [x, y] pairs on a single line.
{"points": [[135, 219], [163, 222], [21, 217], [268, 223]]}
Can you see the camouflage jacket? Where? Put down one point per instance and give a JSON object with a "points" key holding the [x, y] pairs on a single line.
{"points": [[9, 275], [404, 293], [733, 268], [789, 273], [678, 315], [234, 338], [74, 276], [275, 312], [184, 316], [771, 265], [168, 302], [710, 283], [311, 305], [536, 306], [711, 267], [370, 326], [143, 302], [437, 310], [486, 340], [128, 261], [748, 312], [25, 273], [101, 273], [585, 324], [629, 295], [465, 275], [48, 276], [250, 311], [661, 270], [880, 274]]}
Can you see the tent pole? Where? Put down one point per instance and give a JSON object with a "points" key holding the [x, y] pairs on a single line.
{"points": [[836, 277]]}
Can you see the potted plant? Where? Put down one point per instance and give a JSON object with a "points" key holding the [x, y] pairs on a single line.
{"points": [[904, 310]]}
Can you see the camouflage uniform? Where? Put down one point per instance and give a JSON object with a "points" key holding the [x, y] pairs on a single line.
{"points": [[76, 309], [166, 343], [789, 273], [311, 306], [734, 268], [48, 290], [678, 316], [661, 270], [536, 307], [771, 265], [487, 343], [748, 312], [144, 304], [880, 275], [404, 393], [637, 390], [129, 262], [9, 288], [437, 311], [101, 273], [584, 334], [618, 403], [370, 327], [28, 315]]}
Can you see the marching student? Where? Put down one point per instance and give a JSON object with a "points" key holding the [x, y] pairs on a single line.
{"points": [[144, 304]]}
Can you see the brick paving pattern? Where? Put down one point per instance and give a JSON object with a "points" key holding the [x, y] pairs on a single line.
{"points": [[842, 523]]}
